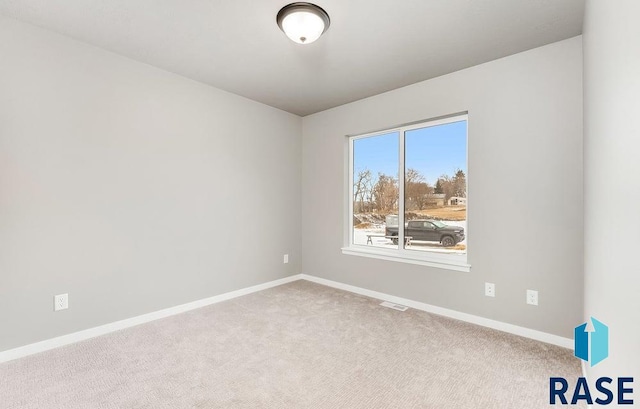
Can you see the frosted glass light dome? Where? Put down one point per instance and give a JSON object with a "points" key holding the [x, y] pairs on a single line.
{"points": [[303, 23]]}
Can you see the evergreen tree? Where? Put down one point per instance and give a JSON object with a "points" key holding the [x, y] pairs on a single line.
{"points": [[438, 188]]}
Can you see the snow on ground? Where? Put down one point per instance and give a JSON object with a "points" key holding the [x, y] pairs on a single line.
{"points": [[360, 238]]}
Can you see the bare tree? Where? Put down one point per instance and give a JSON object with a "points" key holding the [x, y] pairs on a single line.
{"points": [[416, 190], [370, 196], [361, 186], [385, 193], [420, 194], [453, 186], [460, 184], [446, 187], [413, 176]]}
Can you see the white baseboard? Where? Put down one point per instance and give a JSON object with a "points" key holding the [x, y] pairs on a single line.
{"points": [[63, 340], [52, 343], [474, 319]]}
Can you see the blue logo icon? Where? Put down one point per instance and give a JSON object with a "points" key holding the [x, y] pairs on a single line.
{"points": [[598, 340]]}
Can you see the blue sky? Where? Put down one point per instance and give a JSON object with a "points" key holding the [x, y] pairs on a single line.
{"points": [[432, 151]]}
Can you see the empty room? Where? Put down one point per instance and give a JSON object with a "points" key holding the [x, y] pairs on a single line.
{"points": [[336, 204]]}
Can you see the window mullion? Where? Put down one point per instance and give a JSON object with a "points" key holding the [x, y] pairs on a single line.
{"points": [[350, 194], [401, 191]]}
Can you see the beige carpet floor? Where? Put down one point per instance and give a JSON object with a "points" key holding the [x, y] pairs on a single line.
{"points": [[300, 345]]}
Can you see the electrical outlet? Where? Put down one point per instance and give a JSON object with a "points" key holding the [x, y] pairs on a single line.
{"points": [[490, 289], [286, 258], [532, 297], [61, 302]]}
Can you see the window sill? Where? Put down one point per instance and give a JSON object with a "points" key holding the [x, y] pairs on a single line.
{"points": [[420, 259]]}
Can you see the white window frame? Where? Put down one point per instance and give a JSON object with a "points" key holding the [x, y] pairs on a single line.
{"points": [[456, 262]]}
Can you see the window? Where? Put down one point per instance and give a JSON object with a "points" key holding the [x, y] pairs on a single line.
{"points": [[430, 158]]}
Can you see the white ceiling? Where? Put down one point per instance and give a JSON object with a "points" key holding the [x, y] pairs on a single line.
{"points": [[372, 46]]}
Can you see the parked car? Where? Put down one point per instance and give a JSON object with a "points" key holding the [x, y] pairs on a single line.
{"points": [[429, 230]]}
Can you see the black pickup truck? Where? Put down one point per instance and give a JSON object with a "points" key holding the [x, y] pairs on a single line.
{"points": [[429, 230]]}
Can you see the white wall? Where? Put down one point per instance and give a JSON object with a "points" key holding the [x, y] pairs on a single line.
{"points": [[612, 184], [525, 188], [124, 185], [131, 188]]}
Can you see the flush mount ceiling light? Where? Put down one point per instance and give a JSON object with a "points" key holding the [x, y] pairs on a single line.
{"points": [[303, 23]]}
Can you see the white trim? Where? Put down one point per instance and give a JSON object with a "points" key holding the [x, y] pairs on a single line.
{"points": [[349, 215], [447, 263], [409, 125], [428, 123], [401, 185], [83, 335], [473, 319], [457, 262]]}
